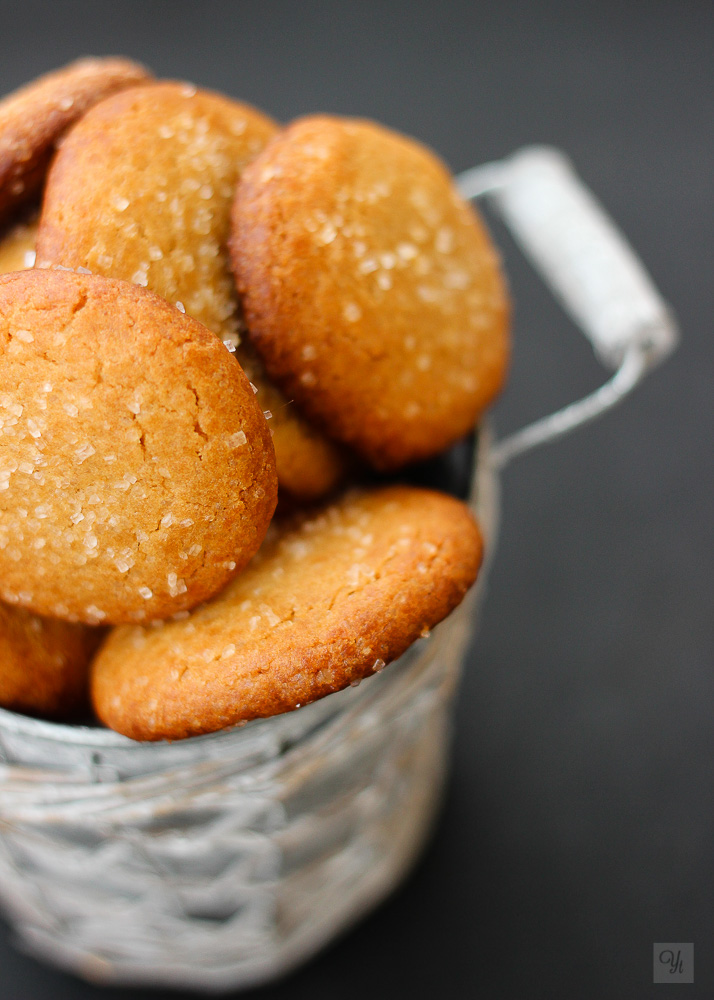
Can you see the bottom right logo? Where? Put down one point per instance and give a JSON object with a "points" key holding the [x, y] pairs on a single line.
{"points": [[673, 963]]}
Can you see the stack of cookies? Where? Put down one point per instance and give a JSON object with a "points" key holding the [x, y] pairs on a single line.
{"points": [[200, 312]]}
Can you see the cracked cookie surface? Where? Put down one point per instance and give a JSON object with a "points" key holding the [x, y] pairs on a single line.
{"points": [[142, 190], [137, 473], [33, 118], [331, 597], [44, 663], [370, 288]]}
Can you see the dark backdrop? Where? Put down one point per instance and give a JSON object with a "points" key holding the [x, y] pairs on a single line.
{"points": [[577, 828]]}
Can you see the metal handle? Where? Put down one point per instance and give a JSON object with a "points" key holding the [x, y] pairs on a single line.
{"points": [[591, 269]]}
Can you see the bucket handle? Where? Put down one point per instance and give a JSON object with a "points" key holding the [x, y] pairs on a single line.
{"points": [[590, 268]]}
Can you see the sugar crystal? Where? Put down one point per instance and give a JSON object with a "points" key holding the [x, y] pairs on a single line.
{"points": [[84, 452], [351, 312]]}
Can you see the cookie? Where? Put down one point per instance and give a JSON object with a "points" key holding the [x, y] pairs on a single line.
{"points": [[17, 247], [310, 465], [137, 473], [33, 118], [44, 664], [331, 597], [142, 190], [370, 288]]}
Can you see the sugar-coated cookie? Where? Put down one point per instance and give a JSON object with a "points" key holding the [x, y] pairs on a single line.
{"points": [[17, 247], [33, 118], [137, 472], [142, 190], [44, 663], [331, 597], [369, 287]]}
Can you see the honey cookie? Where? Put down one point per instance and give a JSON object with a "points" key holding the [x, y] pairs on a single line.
{"points": [[142, 190], [137, 473], [17, 247], [33, 118], [44, 664], [331, 597], [370, 287]]}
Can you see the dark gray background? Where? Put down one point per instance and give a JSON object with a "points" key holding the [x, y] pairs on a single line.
{"points": [[577, 828]]}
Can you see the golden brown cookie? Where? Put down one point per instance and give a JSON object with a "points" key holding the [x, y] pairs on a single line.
{"points": [[310, 465], [44, 663], [142, 190], [331, 597], [33, 118], [137, 473], [17, 247], [370, 288]]}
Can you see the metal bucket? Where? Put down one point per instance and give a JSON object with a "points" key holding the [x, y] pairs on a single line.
{"points": [[224, 860]]}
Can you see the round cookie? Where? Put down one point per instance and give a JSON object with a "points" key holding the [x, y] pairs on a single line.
{"points": [[44, 664], [142, 190], [331, 597], [309, 464], [33, 118], [17, 247], [370, 288], [137, 473]]}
